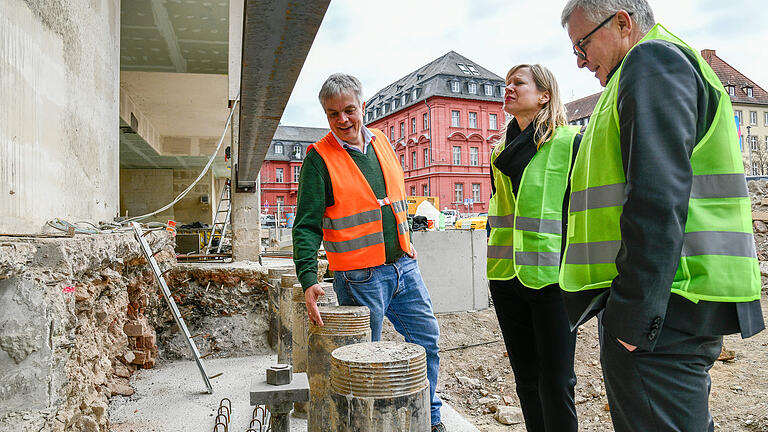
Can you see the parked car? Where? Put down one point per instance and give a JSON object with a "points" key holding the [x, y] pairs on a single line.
{"points": [[475, 222]]}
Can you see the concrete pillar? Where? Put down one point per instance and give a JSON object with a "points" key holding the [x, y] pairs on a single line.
{"points": [[343, 325], [379, 387], [246, 223], [274, 279], [285, 326], [300, 333]]}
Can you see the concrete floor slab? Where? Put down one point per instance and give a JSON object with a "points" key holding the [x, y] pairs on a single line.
{"points": [[172, 398]]}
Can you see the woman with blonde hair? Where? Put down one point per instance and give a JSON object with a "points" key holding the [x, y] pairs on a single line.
{"points": [[530, 168]]}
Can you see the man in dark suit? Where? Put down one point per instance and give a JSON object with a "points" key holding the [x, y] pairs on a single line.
{"points": [[660, 238]]}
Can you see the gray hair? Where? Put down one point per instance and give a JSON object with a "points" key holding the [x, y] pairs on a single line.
{"points": [[340, 83], [598, 10]]}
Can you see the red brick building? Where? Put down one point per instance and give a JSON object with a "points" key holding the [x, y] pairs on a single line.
{"points": [[442, 120], [279, 174]]}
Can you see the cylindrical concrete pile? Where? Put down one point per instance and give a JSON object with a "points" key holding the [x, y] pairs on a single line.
{"points": [[301, 333], [380, 387], [285, 323], [343, 325], [274, 278]]}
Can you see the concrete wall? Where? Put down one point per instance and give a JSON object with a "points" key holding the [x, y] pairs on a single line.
{"points": [[145, 190], [59, 66], [190, 209], [452, 264]]}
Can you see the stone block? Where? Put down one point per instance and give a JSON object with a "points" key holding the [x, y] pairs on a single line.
{"points": [[129, 357], [133, 329], [140, 357], [279, 374], [296, 391]]}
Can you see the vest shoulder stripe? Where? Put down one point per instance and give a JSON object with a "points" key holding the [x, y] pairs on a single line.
{"points": [[399, 206], [538, 259], [352, 220], [602, 252], [719, 186], [355, 243], [719, 243], [549, 226], [611, 195]]}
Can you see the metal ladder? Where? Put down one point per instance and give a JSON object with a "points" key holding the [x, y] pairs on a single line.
{"points": [[222, 231], [167, 295]]}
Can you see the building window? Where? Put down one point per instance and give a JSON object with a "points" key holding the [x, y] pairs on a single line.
{"points": [[425, 189], [472, 87], [753, 142], [766, 118], [403, 99], [492, 121], [766, 143], [278, 148], [378, 112], [455, 122], [459, 189], [278, 175], [280, 200], [426, 120], [394, 104], [748, 91], [738, 115], [474, 153], [455, 86], [473, 120], [457, 155], [731, 90], [296, 173], [413, 125], [476, 192], [754, 168], [426, 156], [402, 129], [415, 94], [753, 117], [414, 162], [472, 69], [296, 152], [488, 89], [463, 68], [402, 161], [392, 133], [413, 190]]}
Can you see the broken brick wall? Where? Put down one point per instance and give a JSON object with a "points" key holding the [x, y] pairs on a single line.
{"points": [[66, 305]]}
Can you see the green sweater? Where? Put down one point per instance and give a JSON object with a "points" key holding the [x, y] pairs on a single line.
{"points": [[315, 194]]}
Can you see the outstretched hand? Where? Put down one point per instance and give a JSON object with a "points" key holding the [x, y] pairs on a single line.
{"points": [[310, 298]]}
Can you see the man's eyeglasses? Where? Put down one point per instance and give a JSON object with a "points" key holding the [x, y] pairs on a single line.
{"points": [[578, 49]]}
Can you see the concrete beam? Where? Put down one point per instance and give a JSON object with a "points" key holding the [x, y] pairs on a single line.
{"points": [[277, 36], [166, 29]]}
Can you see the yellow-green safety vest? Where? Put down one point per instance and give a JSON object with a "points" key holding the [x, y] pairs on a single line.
{"points": [[718, 260], [526, 230]]}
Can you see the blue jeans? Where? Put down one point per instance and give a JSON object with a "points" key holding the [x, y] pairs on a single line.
{"points": [[397, 291]]}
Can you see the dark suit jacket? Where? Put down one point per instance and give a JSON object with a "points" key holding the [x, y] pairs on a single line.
{"points": [[665, 107]]}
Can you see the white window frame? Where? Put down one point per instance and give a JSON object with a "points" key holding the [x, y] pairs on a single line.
{"points": [[456, 155], [472, 88], [402, 129], [296, 173], [753, 117], [455, 118], [425, 189], [392, 134], [755, 166], [463, 69], [474, 156], [739, 114], [473, 120], [493, 122], [402, 161], [753, 142], [731, 90], [765, 114], [476, 192], [413, 125], [472, 69], [748, 91], [425, 119], [455, 86], [278, 148], [279, 177], [458, 192], [426, 156], [488, 89]]}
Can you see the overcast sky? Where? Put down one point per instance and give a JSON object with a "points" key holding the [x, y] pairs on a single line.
{"points": [[382, 41]]}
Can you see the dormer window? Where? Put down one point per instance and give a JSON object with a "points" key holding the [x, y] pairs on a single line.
{"points": [[455, 86], [394, 104], [415, 94], [488, 89], [472, 88], [419, 76], [731, 90], [748, 91], [402, 100], [472, 69], [278, 148], [463, 68]]}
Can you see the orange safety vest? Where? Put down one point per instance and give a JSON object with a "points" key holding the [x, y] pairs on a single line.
{"points": [[353, 233]]}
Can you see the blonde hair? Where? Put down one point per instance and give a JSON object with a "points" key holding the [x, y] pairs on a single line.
{"points": [[552, 114]]}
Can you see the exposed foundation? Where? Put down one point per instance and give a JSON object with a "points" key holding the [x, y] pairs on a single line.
{"points": [[379, 387], [343, 325]]}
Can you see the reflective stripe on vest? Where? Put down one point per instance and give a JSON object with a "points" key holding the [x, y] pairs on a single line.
{"points": [[718, 260], [352, 227], [526, 229]]}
